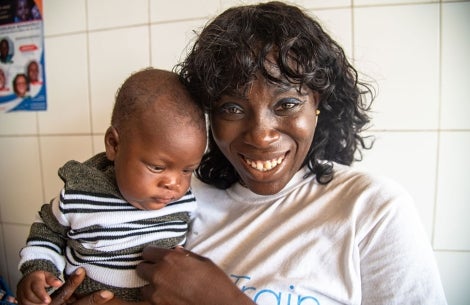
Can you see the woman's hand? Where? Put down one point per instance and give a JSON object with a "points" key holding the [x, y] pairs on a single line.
{"points": [[180, 277], [64, 295]]}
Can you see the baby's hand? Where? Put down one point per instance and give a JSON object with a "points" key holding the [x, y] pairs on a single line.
{"points": [[31, 289]]}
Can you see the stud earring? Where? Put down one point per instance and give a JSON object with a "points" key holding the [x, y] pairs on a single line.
{"points": [[317, 112]]}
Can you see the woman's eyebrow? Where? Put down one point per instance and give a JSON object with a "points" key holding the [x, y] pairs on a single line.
{"points": [[283, 88]]}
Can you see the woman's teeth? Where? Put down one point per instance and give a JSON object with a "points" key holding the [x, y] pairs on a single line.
{"points": [[264, 165]]}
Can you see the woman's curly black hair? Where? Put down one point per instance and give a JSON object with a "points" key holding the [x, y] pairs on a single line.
{"points": [[233, 47]]}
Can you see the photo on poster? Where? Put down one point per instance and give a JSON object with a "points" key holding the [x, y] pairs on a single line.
{"points": [[22, 66]]}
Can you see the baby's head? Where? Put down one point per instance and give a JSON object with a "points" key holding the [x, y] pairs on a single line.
{"points": [[156, 139]]}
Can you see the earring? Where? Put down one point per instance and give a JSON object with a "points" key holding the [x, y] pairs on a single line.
{"points": [[317, 112]]}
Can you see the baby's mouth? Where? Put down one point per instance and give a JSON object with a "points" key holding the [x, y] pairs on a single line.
{"points": [[264, 165]]}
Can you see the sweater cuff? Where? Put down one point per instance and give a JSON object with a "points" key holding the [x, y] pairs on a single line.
{"points": [[39, 265]]}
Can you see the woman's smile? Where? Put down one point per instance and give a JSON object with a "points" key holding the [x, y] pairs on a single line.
{"points": [[264, 165]]}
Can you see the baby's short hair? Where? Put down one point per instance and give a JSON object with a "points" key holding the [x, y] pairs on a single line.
{"points": [[142, 89]]}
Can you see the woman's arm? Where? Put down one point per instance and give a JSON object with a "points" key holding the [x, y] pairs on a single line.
{"points": [[180, 277], [176, 277]]}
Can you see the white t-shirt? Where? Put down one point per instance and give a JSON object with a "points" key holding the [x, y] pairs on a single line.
{"points": [[356, 240]]}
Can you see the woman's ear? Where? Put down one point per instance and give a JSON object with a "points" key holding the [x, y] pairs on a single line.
{"points": [[316, 99], [111, 142]]}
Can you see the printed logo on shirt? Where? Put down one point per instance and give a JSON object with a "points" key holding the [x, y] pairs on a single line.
{"points": [[268, 296]]}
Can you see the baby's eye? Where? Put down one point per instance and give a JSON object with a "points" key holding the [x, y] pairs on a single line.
{"points": [[156, 168], [188, 172]]}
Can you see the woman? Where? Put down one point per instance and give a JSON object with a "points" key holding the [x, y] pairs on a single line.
{"points": [[280, 210], [32, 70]]}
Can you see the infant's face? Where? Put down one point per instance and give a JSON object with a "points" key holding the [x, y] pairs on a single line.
{"points": [[154, 168]]}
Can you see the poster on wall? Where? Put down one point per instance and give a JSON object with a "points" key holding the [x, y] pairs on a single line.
{"points": [[22, 73]]}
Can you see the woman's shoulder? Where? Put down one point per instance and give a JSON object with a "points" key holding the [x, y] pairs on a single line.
{"points": [[365, 191], [364, 179], [371, 191]]}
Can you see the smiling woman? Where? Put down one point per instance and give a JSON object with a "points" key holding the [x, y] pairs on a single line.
{"points": [[282, 218], [279, 209]]}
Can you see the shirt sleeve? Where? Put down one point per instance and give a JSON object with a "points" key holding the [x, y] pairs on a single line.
{"points": [[397, 262], [45, 245]]}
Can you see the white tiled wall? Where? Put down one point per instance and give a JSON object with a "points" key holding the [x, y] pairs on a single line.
{"points": [[399, 47], [415, 50]]}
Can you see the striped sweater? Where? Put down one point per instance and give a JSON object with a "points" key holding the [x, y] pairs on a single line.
{"points": [[92, 226]]}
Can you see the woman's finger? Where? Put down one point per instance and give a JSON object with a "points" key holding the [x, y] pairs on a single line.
{"points": [[153, 254], [96, 298], [145, 270], [64, 293]]}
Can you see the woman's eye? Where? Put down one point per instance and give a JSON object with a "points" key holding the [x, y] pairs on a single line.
{"points": [[287, 104], [229, 111]]}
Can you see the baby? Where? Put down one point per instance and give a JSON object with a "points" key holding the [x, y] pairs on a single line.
{"points": [[113, 205]]}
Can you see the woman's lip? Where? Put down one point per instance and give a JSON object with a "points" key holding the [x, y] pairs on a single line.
{"points": [[265, 164]]}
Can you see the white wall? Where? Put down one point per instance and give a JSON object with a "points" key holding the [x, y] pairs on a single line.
{"points": [[417, 51]]}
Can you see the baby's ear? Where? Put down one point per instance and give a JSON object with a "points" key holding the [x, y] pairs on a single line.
{"points": [[111, 142]]}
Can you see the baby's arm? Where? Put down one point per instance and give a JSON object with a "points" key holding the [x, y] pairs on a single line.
{"points": [[32, 288], [42, 260]]}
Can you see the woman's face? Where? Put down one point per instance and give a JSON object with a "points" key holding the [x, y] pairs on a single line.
{"points": [[33, 72], [266, 136]]}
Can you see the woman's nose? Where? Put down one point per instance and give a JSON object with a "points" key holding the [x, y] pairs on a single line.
{"points": [[262, 131]]}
